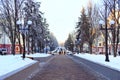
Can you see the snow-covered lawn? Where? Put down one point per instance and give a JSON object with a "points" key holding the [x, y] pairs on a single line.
{"points": [[100, 59], [10, 63]]}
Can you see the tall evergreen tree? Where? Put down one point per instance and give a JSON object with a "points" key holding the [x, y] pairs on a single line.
{"points": [[69, 43], [82, 29]]}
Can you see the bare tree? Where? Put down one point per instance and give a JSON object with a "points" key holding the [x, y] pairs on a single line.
{"points": [[92, 12], [10, 10], [113, 7], [87, 26], [13, 10]]}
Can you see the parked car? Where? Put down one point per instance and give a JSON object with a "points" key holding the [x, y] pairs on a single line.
{"points": [[3, 51]]}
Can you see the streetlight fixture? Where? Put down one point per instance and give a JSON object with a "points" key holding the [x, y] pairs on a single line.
{"points": [[101, 22], [106, 39], [29, 22], [23, 30], [112, 22]]}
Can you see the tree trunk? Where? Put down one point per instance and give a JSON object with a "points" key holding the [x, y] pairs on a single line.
{"points": [[90, 48], [20, 43], [114, 44], [14, 36]]}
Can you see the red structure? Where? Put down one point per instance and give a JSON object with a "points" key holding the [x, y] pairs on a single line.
{"points": [[8, 47]]}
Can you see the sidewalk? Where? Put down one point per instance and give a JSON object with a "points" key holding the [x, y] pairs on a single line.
{"points": [[63, 68], [109, 73]]}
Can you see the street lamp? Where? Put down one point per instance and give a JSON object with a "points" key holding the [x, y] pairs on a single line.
{"points": [[101, 22], [29, 22], [106, 39], [23, 30]]}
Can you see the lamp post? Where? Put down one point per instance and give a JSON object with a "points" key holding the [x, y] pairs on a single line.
{"points": [[106, 40], [29, 22], [106, 33], [23, 30], [106, 36]]}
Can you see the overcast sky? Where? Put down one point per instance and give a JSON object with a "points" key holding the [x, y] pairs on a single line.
{"points": [[62, 15]]}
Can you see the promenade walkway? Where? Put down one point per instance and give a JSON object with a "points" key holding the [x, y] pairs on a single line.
{"points": [[61, 67]]}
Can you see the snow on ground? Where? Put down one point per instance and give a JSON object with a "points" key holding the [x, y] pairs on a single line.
{"points": [[10, 63], [100, 59]]}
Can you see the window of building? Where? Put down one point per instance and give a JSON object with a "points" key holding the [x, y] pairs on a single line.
{"points": [[99, 44]]}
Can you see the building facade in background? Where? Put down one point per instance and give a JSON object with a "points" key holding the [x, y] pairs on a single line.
{"points": [[6, 44]]}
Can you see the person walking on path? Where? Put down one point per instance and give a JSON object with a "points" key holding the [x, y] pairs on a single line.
{"points": [[63, 68]]}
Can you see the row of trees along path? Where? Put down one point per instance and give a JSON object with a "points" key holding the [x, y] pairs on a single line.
{"points": [[61, 67]]}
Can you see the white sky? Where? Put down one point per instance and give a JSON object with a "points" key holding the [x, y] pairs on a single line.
{"points": [[62, 15]]}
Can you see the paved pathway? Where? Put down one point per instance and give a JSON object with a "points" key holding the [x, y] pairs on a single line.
{"points": [[64, 68]]}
